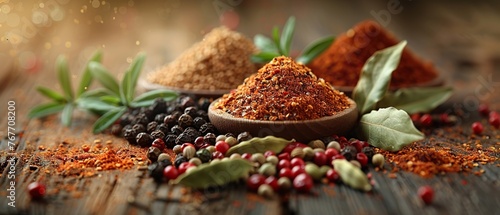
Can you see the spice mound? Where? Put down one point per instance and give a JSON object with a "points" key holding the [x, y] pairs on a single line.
{"points": [[283, 90], [221, 61], [342, 62]]}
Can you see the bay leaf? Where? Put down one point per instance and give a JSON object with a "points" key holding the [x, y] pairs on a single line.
{"points": [[376, 76], [418, 99], [216, 174], [389, 129], [260, 145]]}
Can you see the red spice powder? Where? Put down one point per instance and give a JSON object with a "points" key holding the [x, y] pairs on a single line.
{"points": [[437, 157], [75, 161], [342, 62], [283, 90]]}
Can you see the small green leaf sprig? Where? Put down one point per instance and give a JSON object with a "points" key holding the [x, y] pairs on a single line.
{"points": [[280, 45], [109, 102], [390, 127], [66, 101]]}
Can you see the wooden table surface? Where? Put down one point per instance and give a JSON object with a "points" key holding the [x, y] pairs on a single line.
{"points": [[30, 63]]}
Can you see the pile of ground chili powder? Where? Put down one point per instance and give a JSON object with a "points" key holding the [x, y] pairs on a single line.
{"points": [[283, 90], [342, 62]]}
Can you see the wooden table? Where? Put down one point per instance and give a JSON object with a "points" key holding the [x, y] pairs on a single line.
{"points": [[132, 192]]}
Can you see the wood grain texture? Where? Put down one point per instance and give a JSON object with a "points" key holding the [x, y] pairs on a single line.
{"points": [[464, 56]]}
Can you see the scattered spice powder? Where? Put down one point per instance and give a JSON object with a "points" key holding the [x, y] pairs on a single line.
{"points": [[428, 158], [342, 62], [76, 161], [283, 90], [221, 61]]}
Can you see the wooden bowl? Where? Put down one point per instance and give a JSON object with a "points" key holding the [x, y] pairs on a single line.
{"points": [[303, 130]]}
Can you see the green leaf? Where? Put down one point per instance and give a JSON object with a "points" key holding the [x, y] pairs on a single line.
{"points": [[264, 44], [87, 75], [57, 97], [315, 49], [108, 119], [287, 35], [264, 57], [415, 100], [129, 81], [64, 77], [111, 99], [376, 76], [94, 104], [276, 38], [168, 95], [215, 174], [389, 129], [97, 93], [104, 77], [260, 145], [67, 114], [45, 110]]}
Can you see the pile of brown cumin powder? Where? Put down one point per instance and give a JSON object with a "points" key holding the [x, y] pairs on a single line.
{"points": [[283, 90]]}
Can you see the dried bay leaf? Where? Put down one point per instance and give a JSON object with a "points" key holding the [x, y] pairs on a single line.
{"points": [[414, 100], [376, 76], [216, 174], [260, 145], [389, 129]]}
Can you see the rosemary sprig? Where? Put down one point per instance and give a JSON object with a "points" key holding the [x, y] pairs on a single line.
{"points": [[66, 101], [109, 102], [280, 45]]}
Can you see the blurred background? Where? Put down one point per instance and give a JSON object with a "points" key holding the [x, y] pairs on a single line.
{"points": [[462, 38]]}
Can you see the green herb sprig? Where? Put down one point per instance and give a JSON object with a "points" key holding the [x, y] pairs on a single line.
{"points": [[66, 101], [109, 102], [280, 45], [389, 128]]}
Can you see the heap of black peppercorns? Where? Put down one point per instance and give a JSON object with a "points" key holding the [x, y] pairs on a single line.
{"points": [[175, 122]]}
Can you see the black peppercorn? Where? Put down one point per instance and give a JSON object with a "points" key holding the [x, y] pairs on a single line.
{"points": [[204, 103], [210, 138], [176, 130], [185, 101], [170, 141], [244, 136], [349, 152], [159, 106], [369, 152], [208, 128], [204, 155], [151, 126], [170, 120], [159, 118], [184, 138], [141, 118], [158, 134], [179, 159], [198, 122], [125, 119], [185, 120], [129, 135], [192, 132], [153, 153], [191, 111], [156, 170], [144, 139], [148, 113], [203, 114], [116, 129], [125, 127], [139, 128], [230, 135], [163, 128]]}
